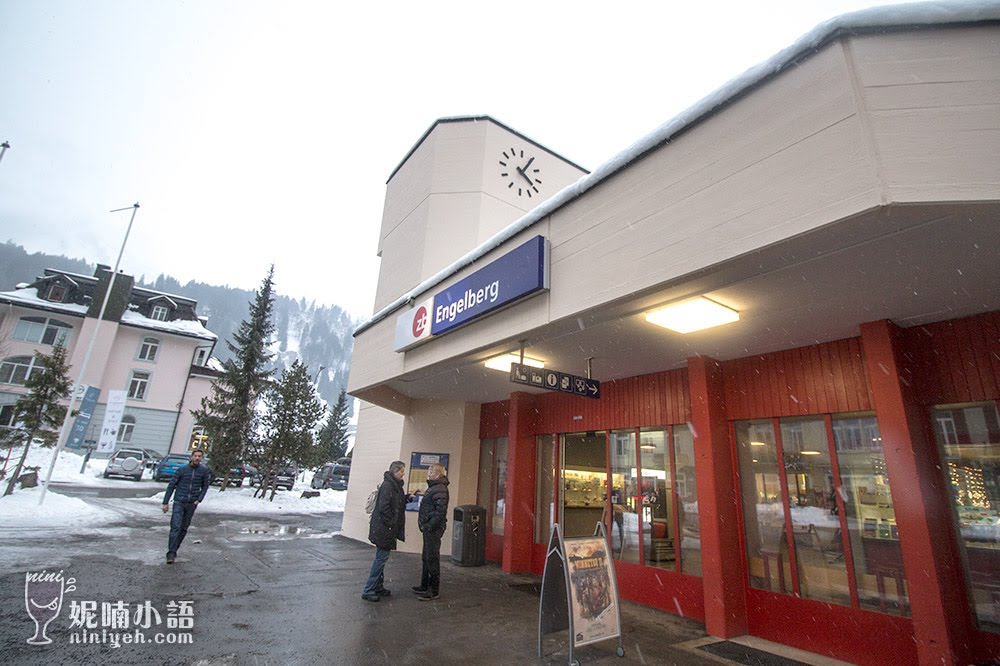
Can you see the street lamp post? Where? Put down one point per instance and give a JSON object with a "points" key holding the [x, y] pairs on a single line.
{"points": [[3, 149], [61, 441]]}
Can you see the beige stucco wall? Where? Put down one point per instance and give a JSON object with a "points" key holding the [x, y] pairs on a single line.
{"points": [[432, 427], [869, 120]]}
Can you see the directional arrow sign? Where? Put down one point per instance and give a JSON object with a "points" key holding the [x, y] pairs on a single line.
{"points": [[555, 381]]}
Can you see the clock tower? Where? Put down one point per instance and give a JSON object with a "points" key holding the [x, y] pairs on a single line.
{"points": [[464, 180]]}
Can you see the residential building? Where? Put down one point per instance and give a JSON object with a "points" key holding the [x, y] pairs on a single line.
{"points": [[823, 470], [150, 344]]}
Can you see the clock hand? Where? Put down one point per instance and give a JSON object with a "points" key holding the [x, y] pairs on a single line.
{"points": [[525, 176], [528, 164]]}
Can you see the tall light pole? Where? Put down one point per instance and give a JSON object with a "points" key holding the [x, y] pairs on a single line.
{"points": [[61, 442], [3, 149]]}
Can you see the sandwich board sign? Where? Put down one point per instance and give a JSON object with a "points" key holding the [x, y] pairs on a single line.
{"points": [[580, 591]]}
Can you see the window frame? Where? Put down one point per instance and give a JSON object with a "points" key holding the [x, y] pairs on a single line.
{"points": [[126, 430], [158, 310], [19, 361], [55, 329], [149, 347], [138, 385]]}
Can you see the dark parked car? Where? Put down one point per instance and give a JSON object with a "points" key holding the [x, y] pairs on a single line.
{"points": [[285, 478], [333, 475], [167, 466], [237, 474], [127, 462], [153, 458]]}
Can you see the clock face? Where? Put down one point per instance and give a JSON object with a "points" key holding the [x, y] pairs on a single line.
{"points": [[520, 172]]}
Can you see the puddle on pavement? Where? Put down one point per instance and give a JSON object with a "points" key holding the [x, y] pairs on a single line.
{"points": [[274, 529]]}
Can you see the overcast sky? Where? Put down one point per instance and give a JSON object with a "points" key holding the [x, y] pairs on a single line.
{"points": [[258, 133]]}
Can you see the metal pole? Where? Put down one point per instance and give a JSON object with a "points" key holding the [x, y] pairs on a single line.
{"points": [[3, 149], [86, 357]]}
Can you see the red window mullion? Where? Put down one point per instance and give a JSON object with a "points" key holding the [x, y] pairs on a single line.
{"points": [[675, 518], [638, 500], [557, 481], [609, 510], [845, 540], [789, 530]]}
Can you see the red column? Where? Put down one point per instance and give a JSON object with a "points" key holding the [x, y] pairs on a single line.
{"points": [[942, 622], [519, 496], [723, 561]]}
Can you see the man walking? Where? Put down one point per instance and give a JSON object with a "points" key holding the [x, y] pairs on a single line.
{"points": [[432, 520], [188, 487], [388, 523]]}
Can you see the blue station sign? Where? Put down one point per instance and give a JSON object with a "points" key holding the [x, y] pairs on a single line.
{"points": [[520, 273]]}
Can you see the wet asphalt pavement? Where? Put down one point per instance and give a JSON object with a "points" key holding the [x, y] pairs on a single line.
{"points": [[286, 590]]}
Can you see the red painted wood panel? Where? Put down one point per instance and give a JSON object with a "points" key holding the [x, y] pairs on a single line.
{"points": [[858, 636], [494, 419], [826, 378], [956, 360], [670, 591]]}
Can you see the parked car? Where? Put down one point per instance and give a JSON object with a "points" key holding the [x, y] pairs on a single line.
{"points": [[168, 465], [128, 463], [154, 458], [333, 475], [285, 478], [237, 474]]}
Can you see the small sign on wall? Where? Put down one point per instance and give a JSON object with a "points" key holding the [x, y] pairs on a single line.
{"points": [[416, 484]]}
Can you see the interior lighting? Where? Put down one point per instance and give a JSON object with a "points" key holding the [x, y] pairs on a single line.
{"points": [[503, 362], [693, 314], [757, 444], [809, 452]]}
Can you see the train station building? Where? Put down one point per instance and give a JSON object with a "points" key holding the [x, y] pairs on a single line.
{"points": [[761, 345]]}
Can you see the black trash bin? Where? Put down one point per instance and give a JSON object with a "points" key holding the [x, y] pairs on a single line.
{"points": [[468, 536]]}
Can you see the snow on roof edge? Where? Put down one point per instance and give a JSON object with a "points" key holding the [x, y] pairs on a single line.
{"points": [[917, 14]]}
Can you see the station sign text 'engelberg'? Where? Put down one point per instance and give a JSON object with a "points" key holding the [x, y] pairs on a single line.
{"points": [[520, 273]]}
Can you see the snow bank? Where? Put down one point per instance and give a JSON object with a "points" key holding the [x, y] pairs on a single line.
{"points": [[21, 510], [240, 501]]}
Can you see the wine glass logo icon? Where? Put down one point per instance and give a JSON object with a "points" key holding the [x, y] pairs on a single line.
{"points": [[43, 597]]}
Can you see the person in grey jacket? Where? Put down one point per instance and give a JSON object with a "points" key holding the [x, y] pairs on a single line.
{"points": [[188, 487], [432, 521]]}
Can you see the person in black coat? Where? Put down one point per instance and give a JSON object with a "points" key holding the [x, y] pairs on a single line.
{"points": [[388, 524], [432, 520], [188, 487]]}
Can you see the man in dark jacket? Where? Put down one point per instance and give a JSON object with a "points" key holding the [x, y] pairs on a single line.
{"points": [[388, 523], [432, 520], [188, 487]]}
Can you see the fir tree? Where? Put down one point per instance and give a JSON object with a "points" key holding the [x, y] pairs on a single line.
{"points": [[333, 434], [39, 410], [289, 424], [229, 414]]}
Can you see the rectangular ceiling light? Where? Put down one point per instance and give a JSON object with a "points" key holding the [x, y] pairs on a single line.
{"points": [[503, 362], [694, 314]]}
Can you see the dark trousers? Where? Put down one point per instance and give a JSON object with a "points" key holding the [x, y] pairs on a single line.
{"points": [[430, 577], [179, 522]]}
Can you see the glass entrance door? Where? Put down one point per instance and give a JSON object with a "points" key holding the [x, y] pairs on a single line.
{"points": [[583, 481]]}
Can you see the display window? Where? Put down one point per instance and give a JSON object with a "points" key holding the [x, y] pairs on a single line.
{"points": [[818, 520], [969, 438], [493, 481]]}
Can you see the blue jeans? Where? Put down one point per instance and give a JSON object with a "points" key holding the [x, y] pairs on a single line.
{"points": [[179, 522], [377, 576]]}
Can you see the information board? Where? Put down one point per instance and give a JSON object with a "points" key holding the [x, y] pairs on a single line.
{"points": [[554, 380]]}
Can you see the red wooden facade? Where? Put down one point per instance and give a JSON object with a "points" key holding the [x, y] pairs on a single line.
{"points": [[895, 374]]}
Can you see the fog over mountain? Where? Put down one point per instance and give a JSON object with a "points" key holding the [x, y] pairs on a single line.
{"points": [[318, 335]]}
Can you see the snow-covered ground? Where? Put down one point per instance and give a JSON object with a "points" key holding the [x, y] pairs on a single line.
{"points": [[21, 508]]}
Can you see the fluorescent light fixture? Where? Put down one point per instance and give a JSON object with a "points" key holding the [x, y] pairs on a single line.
{"points": [[647, 447], [694, 314], [503, 362], [809, 452], [757, 444]]}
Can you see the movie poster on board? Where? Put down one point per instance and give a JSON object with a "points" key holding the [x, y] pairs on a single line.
{"points": [[595, 615]]}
